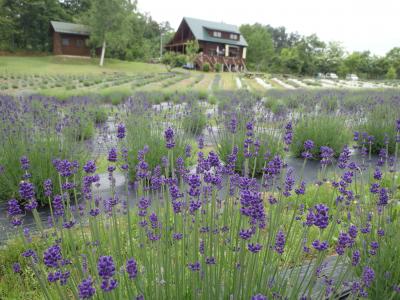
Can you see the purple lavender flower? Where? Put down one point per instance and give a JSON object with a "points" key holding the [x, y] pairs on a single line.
{"points": [[64, 167], [353, 231], [383, 197], [210, 261], [112, 155], [121, 131], [378, 174], [368, 276], [58, 206], [356, 136], [26, 190], [25, 164], [344, 241], [90, 167], [254, 248], [355, 258], [177, 236], [86, 288], [259, 297], [344, 157], [318, 217], [14, 209], [107, 285], [188, 150], [233, 124], [326, 155], [280, 242], [16, 268], [289, 182], [169, 138], [246, 234], [288, 137], [30, 253], [194, 267], [301, 189], [52, 256], [200, 142], [308, 146], [48, 187], [106, 267], [320, 246], [131, 268]]}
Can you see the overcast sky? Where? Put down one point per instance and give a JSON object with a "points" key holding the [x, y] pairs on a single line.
{"points": [[358, 24]]}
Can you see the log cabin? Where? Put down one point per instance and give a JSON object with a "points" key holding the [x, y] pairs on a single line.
{"points": [[70, 39], [219, 43]]}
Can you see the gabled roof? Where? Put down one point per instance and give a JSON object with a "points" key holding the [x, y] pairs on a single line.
{"points": [[63, 27], [199, 30]]}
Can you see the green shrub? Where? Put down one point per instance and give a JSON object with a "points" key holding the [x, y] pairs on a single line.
{"points": [[381, 122], [142, 130], [36, 134], [323, 130], [206, 67], [269, 142], [218, 67], [99, 114], [278, 107], [195, 121]]}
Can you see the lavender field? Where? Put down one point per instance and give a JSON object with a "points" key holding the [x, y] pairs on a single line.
{"points": [[279, 194]]}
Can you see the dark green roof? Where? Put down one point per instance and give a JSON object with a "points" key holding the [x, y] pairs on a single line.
{"points": [[63, 27], [198, 28]]}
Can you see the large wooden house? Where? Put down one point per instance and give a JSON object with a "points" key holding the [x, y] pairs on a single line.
{"points": [[70, 39], [219, 43]]}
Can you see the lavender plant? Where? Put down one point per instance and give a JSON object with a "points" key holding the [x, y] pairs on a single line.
{"points": [[212, 232]]}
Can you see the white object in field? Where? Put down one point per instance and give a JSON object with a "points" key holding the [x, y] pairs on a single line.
{"points": [[226, 50], [298, 82], [263, 83], [331, 76], [238, 83], [352, 77], [284, 84], [244, 53]]}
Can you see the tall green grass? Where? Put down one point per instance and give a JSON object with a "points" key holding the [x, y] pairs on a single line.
{"points": [[379, 124], [323, 130]]}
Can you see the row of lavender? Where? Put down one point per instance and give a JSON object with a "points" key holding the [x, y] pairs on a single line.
{"points": [[212, 233]]}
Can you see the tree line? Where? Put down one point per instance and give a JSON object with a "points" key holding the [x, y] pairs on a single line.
{"points": [[277, 51], [127, 34]]}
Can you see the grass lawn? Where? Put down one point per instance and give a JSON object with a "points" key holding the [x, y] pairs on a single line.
{"points": [[68, 65]]}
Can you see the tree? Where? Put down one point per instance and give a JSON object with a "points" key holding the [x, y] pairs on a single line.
{"points": [[24, 24], [76, 8], [191, 50], [393, 58], [109, 24], [260, 50], [173, 60], [290, 60], [391, 73], [331, 58]]}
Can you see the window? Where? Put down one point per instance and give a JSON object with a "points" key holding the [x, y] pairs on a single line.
{"points": [[233, 36], [65, 42], [79, 43], [217, 34]]}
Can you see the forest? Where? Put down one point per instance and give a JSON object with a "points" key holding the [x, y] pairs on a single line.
{"points": [[135, 36]]}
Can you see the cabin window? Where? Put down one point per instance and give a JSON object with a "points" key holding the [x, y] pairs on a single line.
{"points": [[65, 42], [233, 36], [79, 43], [217, 34]]}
